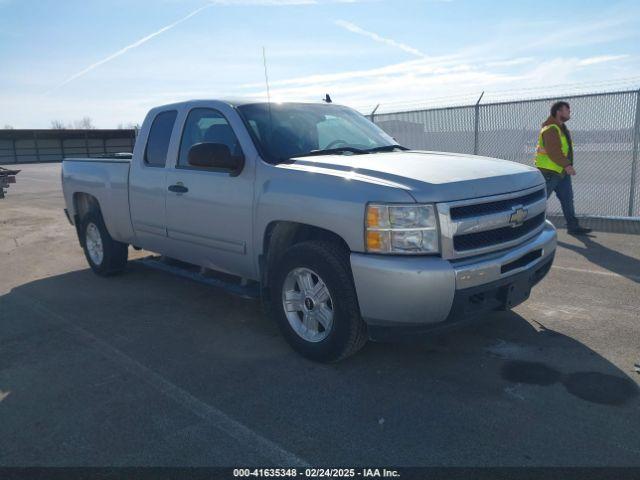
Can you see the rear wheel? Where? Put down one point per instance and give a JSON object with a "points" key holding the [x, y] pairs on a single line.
{"points": [[105, 255], [315, 304]]}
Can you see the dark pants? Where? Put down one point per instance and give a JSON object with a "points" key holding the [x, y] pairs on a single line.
{"points": [[564, 191]]}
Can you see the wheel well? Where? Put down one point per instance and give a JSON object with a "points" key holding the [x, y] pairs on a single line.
{"points": [[84, 203], [280, 235]]}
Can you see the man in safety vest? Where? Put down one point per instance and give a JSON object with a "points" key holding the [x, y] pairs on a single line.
{"points": [[554, 158]]}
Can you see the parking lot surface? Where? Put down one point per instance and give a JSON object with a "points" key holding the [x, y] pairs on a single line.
{"points": [[151, 369]]}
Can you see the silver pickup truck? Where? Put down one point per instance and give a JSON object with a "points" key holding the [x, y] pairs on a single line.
{"points": [[349, 235]]}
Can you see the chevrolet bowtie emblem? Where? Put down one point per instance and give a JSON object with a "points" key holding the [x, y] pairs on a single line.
{"points": [[518, 215]]}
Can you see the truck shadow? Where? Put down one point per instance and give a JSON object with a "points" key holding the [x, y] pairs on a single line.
{"points": [[507, 372]]}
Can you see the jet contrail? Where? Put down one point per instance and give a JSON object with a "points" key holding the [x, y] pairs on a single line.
{"points": [[352, 27], [127, 48]]}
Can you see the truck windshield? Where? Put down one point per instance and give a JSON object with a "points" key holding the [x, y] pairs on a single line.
{"points": [[287, 130]]}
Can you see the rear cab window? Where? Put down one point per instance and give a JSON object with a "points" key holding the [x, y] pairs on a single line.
{"points": [[155, 154]]}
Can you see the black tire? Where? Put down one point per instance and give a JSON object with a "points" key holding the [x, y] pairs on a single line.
{"points": [[348, 333], [114, 253]]}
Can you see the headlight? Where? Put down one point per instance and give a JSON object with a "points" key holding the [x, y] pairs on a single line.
{"points": [[401, 229]]}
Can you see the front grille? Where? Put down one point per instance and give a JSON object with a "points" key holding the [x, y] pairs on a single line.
{"points": [[472, 241], [467, 211]]}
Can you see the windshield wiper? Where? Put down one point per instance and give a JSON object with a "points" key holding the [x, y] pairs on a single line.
{"points": [[354, 150], [329, 151], [386, 148]]}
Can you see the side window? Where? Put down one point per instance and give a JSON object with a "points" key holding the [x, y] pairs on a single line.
{"points": [[155, 154], [206, 125]]}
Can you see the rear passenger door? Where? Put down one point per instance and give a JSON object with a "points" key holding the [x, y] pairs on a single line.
{"points": [[147, 183]]}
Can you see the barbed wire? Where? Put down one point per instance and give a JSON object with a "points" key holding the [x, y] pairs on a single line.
{"points": [[527, 93]]}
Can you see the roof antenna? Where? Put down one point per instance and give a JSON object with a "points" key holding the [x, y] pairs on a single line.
{"points": [[327, 98], [266, 79]]}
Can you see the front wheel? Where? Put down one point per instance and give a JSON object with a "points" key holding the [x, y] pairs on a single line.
{"points": [[105, 255], [315, 304]]}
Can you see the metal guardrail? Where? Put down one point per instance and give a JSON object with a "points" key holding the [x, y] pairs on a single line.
{"points": [[605, 128], [31, 146]]}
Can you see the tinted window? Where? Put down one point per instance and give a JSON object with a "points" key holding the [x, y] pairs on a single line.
{"points": [[206, 125], [159, 137]]}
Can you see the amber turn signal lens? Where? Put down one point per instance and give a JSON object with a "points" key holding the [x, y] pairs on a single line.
{"points": [[373, 217], [374, 241]]}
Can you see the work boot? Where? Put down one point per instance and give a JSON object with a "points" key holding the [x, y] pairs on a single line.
{"points": [[578, 230]]}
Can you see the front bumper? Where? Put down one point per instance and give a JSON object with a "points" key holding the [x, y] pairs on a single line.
{"points": [[430, 293]]}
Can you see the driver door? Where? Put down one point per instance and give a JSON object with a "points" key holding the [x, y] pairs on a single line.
{"points": [[209, 212]]}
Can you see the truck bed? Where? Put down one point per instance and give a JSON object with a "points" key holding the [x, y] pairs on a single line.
{"points": [[106, 179]]}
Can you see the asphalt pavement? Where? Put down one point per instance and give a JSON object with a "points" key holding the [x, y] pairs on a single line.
{"points": [[147, 368]]}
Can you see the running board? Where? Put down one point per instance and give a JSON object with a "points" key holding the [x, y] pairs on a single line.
{"points": [[185, 270]]}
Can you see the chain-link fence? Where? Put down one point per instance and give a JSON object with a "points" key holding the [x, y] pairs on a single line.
{"points": [[605, 128]]}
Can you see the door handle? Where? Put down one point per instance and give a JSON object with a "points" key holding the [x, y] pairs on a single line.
{"points": [[178, 188]]}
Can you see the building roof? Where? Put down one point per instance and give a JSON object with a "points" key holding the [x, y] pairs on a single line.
{"points": [[28, 134]]}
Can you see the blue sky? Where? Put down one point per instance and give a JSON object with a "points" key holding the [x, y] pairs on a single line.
{"points": [[112, 60]]}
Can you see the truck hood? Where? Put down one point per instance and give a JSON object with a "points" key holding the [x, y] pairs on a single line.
{"points": [[427, 176]]}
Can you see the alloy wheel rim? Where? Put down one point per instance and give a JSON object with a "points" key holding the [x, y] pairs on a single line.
{"points": [[307, 304], [94, 244]]}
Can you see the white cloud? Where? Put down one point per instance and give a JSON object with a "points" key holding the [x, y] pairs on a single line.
{"points": [[422, 80], [600, 59], [511, 62], [431, 65], [274, 3], [352, 27], [281, 3]]}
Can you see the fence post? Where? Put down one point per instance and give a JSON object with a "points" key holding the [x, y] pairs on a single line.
{"points": [[476, 124], [373, 112], [634, 161]]}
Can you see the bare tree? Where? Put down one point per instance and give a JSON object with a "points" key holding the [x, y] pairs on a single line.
{"points": [[8, 127], [57, 125], [85, 124], [128, 126]]}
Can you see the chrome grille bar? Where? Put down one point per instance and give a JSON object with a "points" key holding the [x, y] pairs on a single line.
{"points": [[523, 210]]}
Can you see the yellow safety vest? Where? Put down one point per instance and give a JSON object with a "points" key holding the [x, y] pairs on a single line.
{"points": [[542, 159]]}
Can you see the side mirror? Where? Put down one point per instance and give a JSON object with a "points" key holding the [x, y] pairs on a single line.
{"points": [[215, 155]]}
